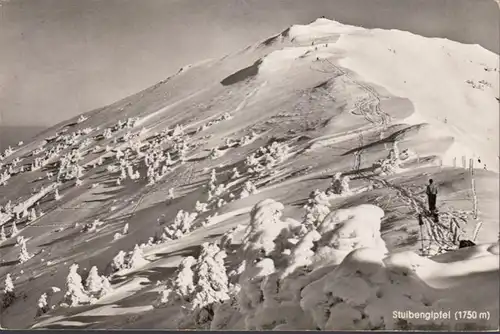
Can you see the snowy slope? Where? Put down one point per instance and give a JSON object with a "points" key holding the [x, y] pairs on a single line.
{"points": [[276, 188]]}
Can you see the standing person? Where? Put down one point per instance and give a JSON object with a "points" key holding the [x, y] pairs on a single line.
{"points": [[431, 192]]}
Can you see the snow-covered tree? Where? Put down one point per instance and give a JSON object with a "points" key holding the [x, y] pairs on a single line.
{"points": [[8, 207], [178, 131], [339, 185], [212, 283], [9, 293], [219, 190], [118, 262], [136, 258], [23, 253], [75, 293], [57, 197], [181, 225], [248, 189], [302, 253], [316, 209], [32, 215], [43, 305], [123, 173], [213, 177], [335, 186], [13, 231], [235, 174], [105, 287], [200, 207], [168, 160], [125, 229], [344, 185], [265, 225], [181, 286], [3, 237], [221, 202], [93, 283]]}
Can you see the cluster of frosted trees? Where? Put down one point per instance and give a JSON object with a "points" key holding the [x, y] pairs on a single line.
{"points": [[391, 164], [199, 285], [266, 158], [130, 260], [77, 293], [277, 258]]}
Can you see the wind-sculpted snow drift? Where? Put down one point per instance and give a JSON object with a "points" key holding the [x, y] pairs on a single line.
{"points": [[281, 187]]}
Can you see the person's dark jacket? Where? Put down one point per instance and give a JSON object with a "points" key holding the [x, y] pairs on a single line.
{"points": [[432, 189]]}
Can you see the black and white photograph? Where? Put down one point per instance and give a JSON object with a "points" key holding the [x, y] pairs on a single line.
{"points": [[249, 165]]}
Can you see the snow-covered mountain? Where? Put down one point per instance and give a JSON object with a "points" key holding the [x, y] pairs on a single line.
{"points": [[281, 187]]}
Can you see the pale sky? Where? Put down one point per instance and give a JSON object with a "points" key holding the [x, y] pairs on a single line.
{"points": [[59, 58]]}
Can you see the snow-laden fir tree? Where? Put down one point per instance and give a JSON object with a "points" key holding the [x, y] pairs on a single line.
{"points": [[13, 231], [219, 190], [181, 225], [248, 189], [105, 287], [180, 287], [8, 207], [123, 173], [25, 212], [212, 283], [118, 262], [136, 257], [57, 197], [75, 293], [302, 253], [344, 185], [9, 294], [43, 305], [32, 215], [316, 209], [125, 229], [213, 179], [178, 131], [23, 252], [200, 207], [168, 160], [235, 174], [3, 237], [251, 161], [339, 185], [164, 170], [93, 283]]}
